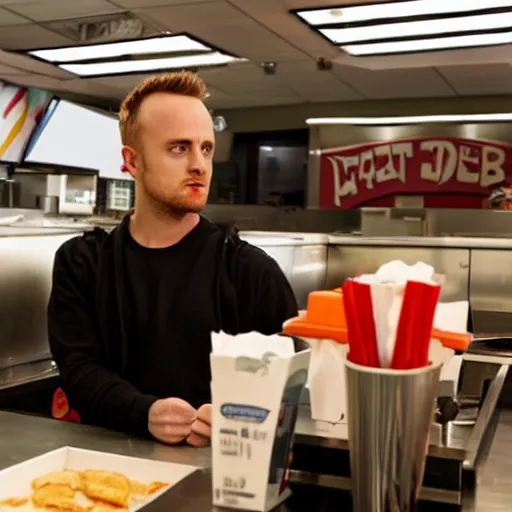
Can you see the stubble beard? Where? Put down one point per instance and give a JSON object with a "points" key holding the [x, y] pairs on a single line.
{"points": [[170, 205]]}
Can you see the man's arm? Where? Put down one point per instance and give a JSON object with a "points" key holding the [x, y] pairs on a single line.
{"points": [[100, 396], [266, 297]]}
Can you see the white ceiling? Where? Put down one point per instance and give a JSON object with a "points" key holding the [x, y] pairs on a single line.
{"points": [[259, 30]]}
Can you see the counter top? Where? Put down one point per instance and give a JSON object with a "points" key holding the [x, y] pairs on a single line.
{"points": [[283, 238], [422, 241], [23, 437]]}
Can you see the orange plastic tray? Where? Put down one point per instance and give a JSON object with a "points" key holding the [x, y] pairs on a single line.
{"points": [[325, 318]]}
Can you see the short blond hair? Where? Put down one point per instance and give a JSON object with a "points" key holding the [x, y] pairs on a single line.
{"points": [[185, 83]]}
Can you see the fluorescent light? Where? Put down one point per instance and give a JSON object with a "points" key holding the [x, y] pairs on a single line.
{"points": [[420, 45], [168, 44], [390, 10], [266, 148], [136, 66], [418, 28], [450, 118]]}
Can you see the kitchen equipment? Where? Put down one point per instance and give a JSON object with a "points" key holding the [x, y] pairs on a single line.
{"points": [[49, 204], [10, 192]]}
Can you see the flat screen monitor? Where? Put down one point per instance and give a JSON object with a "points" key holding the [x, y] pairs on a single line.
{"points": [[21, 111], [76, 136]]}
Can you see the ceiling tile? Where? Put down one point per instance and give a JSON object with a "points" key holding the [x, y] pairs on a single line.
{"points": [[9, 18], [226, 27], [88, 87], [28, 37], [19, 2], [314, 85], [479, 79], [395, 83], [7, 70], [124, 84], [131, 4], [52, 10], [29, 65], [271, 14], [311, 4], [256, 100], [246, 78], [41, 82]]}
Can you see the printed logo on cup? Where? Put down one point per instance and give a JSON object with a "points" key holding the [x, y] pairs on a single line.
{"points": [[244, 413]]}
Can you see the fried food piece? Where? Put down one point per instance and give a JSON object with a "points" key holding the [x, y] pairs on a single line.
{"points": [[59, 497], [109, 487], [13, 502], [69, 478], [140, 489], [155, 487], [104, 507]]}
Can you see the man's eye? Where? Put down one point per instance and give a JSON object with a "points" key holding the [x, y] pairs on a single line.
{"points": [[207, 150], [179, 149]]}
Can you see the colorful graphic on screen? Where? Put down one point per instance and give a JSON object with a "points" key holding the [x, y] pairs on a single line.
{"points": [[21, 109]]}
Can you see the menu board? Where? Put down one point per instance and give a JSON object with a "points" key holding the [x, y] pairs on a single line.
{"points": [[77, 136], [21, 111]]}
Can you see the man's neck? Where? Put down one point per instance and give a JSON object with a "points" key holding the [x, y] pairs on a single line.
{"points": [[156, 232]]}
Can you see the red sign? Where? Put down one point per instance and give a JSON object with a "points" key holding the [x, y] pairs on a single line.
{"points": [[354, 175]]}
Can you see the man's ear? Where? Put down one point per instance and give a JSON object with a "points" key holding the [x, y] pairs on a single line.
{"points": [[130, 162]]}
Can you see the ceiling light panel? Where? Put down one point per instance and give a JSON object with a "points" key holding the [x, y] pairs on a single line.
{"points": [[419, 28], [423, 45], [413, 26], [156, 45], [141, 66], [167, 52], [395, 10]]}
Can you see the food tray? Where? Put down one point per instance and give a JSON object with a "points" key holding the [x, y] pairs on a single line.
{"points": [[16, 481]]}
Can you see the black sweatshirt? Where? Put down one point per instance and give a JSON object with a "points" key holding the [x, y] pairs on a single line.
{"points": [[128, 325]]}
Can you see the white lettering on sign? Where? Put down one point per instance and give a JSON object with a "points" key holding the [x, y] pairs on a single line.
{"points": [[493, 160], [388, 171], [361, 168], [349, 186], [367, 168], [437, 161], [445, 154], [464, 175], [403, 150]]}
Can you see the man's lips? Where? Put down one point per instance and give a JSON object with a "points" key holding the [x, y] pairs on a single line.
{"points": [[195, 187]]}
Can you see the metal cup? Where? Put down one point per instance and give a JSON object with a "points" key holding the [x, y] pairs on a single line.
{"points": [[390, 413]]}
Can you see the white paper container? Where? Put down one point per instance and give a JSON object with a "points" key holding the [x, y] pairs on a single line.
{"points": [[15, 481], [326, 380], [254, 407]]}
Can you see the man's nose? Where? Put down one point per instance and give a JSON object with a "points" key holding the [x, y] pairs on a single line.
{"points": [[197, 162]]}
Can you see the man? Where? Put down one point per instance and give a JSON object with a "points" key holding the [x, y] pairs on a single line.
{"points": [[131, 312]]}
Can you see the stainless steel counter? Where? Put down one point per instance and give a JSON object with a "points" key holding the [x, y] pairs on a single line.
{"points": [[454, 242], [35, 370], [23, 437]]}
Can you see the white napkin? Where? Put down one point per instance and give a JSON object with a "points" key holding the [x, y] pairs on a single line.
{"points": [[387, 287], [452, 316], [251, 344]]}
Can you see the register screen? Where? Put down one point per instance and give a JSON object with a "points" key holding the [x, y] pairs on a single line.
{"points": [[21, 110], [79, 137]]}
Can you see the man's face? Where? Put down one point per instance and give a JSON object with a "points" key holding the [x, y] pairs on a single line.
{"points": [[174, 152]]}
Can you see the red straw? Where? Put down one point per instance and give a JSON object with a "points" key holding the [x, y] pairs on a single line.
{"points": [[363, 295], [401, 352], [360, 323], [414, 329], [357, 354], [430, 300]]}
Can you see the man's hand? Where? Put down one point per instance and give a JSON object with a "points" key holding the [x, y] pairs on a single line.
{"points": [[202, 427], [171, 419]]}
